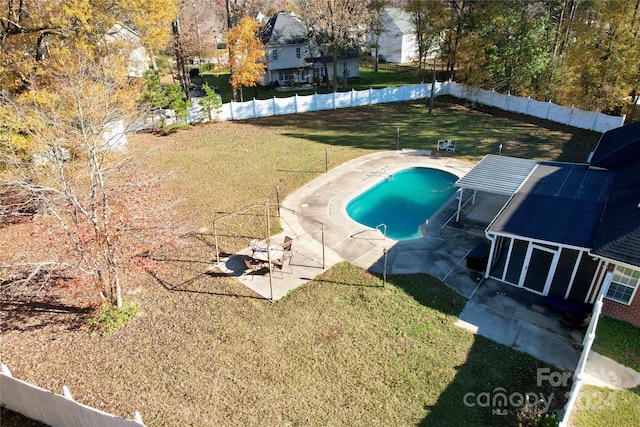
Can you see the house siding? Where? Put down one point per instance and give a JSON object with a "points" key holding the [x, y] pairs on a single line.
{"points": [[628, 313]]}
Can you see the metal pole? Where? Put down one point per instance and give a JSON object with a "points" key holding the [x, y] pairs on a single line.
{"points": [[326, 159], [384, 271], [215, 238], [266, 210], [397, 138], [323, 263], [278, 198]]}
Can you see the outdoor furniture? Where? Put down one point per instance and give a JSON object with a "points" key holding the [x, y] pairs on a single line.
{"points": [[271, 252], [283, 263], [250, 267], [288, 241], [446, 145]]}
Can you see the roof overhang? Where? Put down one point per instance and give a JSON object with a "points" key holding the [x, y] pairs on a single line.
{"points": [[497, 174]]}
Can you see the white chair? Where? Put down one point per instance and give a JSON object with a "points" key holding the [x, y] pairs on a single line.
{"points": [[446, 145]]}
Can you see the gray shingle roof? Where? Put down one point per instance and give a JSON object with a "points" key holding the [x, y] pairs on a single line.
{"points": [[283, 28], [619, 234], [617, 147]]}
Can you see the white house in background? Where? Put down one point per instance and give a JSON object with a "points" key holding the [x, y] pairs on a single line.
{"points": [[139, 60], [398, 41], [292, 60]]}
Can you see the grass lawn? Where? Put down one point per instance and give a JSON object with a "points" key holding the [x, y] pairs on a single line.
{"points": [[598, 407], [619, 341], [341, 350]]}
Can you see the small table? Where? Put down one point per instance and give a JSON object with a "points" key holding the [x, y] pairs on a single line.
{"points": [[274, 253]]}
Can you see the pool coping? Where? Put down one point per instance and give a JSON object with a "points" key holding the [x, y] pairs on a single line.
{"points": [[324, 199]]}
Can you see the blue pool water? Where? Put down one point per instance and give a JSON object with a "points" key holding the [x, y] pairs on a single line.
{"points": [[403, 201]]}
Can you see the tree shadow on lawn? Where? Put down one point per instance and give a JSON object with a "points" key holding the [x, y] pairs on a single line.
{"points": [[41, 311], [187, 267], [490, 372], [496, 386], [478, 130]]}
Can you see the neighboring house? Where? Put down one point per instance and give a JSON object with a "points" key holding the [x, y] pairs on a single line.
{"points": [[292, 60], [398, 42], [566, 225], [129, 40]]}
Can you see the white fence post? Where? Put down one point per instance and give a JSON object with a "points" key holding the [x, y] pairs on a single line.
{"points": [[370, 98], [255, 114], [66, 393], [275, 109], [231, 109], [570, 117], [548, 109], [295, 102], [137, 418], [334, 99]]}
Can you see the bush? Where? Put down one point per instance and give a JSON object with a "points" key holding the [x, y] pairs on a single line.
{"points": [[108, 318]]}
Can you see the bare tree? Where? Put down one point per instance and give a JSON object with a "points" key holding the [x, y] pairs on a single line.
{"points": [[73, 173], [337, 26]]}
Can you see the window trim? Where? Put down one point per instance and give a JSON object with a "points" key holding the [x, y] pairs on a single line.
{"points": [[274, 54], [625, 271], [298, 53]]}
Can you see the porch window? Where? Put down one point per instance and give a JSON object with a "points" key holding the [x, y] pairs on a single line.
{"points": [[274, 55], [623, 285]]}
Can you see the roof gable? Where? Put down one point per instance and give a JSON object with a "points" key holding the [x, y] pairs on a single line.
{"points": [[283, 28]]}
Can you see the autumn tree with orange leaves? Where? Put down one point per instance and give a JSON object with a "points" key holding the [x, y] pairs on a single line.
{"points": [[246, 54], [65, 102]]}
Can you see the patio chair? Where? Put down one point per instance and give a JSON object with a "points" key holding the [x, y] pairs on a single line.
{"points": [[446, 145], [288, 242], [284, 262]]}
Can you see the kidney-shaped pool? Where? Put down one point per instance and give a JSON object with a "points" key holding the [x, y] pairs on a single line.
{"points": [[403, 201]]}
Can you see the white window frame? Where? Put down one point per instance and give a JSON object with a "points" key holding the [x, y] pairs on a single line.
{"points": [[274, 54], [624, 277]]}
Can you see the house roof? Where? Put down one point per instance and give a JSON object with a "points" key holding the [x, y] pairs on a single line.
{"points": [[497, 174], [559, 202], [283, 28], [619, 234], [617, 147]]}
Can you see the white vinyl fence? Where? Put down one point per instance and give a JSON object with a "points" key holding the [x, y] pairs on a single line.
{"points": [[570, 116], [592, 120], [54, 409]]}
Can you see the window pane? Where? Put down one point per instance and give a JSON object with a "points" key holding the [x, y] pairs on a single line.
{"points": [[623, 284]]}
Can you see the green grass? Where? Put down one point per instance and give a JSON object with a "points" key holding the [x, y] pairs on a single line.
{"points": [[598, 407], [228, 165], [619, 341], [366, 80], [341, 350]]}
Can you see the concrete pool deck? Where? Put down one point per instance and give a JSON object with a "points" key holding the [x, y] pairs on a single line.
{"points": [[498, 311]]}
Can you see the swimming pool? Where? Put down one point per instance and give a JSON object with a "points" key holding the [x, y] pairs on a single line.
{"points": [[403, 201]]}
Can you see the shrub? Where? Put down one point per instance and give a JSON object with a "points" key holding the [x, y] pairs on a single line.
{"points": [[108, 318]]}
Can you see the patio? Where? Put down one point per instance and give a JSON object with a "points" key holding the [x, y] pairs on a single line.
{"points": [[501, 312]]}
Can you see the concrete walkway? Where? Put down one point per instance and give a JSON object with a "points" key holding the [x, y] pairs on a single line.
{"points": [[498, 311]]}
